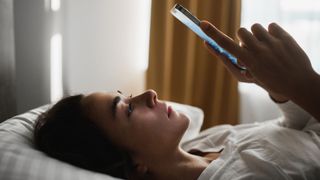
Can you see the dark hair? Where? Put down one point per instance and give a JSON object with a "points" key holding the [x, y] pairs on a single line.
{"points": [[65, 132]]}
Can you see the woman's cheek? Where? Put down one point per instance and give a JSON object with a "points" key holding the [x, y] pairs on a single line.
{"points": [[148, 116]]}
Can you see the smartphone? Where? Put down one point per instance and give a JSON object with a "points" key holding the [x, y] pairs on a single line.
{"points": [[183, 15]]}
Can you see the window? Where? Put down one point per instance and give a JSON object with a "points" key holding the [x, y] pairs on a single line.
{"points": [[302, 20]]}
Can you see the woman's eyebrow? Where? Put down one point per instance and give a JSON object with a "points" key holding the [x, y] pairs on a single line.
{"points": [[115, 101]]}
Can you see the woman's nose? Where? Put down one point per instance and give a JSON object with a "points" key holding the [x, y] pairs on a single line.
{"points": [[151, 98], [148, 98]]}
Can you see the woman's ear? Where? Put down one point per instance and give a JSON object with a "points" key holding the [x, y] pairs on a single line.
{"points": [[140, 172], [141, 169]]}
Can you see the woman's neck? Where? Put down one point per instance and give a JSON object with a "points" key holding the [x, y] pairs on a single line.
{"points": [[179, 165]]}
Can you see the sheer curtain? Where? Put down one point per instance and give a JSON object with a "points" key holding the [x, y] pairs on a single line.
{"points": [[302, 20]]}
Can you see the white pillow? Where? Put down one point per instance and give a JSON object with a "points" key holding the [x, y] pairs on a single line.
{"points": [[20, 160]]}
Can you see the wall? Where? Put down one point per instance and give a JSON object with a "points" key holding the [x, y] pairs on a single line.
{"points": [[32, 40], [105, 45], [7, 63]]}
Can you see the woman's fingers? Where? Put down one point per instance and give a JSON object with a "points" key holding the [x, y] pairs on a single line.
{"points": [[240, 75], [277, 31], [247, 39], [272, 57], [223, 40], [262, 34]]}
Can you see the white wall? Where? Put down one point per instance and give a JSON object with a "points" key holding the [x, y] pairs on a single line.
{"points": [[32, 31], [105, 45], [7, 61]]}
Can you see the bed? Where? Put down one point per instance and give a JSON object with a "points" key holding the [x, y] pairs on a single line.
{"points": [[20, 160]]}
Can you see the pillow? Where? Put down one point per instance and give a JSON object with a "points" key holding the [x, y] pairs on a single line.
{"points": [[20, 160]]}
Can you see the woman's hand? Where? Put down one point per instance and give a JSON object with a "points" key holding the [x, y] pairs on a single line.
{"points": [[240, 75], [273, 58], [274, 61]]}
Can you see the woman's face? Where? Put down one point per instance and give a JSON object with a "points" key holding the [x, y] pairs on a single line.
{"points": [[139, 124]]}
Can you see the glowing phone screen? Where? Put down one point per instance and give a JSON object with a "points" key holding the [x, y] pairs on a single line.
{"points": [[193, 23]]}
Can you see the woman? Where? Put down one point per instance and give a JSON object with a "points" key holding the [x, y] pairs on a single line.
{"points": [[138, 137], [141, 133]]}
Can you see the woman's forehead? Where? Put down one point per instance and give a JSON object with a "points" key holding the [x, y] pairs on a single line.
{"points": [[98, 97], [99, 102]]}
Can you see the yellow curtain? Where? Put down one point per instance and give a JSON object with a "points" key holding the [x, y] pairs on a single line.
{"points": [[181, 69]]}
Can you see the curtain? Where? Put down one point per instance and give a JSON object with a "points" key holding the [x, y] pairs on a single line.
{"points": [[182, 70]]}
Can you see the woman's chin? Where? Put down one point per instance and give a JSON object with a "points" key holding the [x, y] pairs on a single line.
{"points": [[184, 120]]}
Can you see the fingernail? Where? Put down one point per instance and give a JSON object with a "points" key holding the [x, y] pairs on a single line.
{"points": [[205, 26], [243, 72]]}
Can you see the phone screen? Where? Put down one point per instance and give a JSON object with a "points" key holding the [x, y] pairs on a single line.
{"points": [[193, 23]]}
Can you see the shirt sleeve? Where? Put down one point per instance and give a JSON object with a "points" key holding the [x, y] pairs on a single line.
{"points": [[293, 116]]}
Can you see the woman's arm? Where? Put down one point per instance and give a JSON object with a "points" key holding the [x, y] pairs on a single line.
{"points": [[293, 116], [308, 96], [274, 61]]}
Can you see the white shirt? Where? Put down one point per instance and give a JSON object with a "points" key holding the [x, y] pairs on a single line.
{"points": [[284, 148]]}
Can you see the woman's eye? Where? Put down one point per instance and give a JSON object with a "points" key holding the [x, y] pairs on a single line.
{"points": [[130, 109]]}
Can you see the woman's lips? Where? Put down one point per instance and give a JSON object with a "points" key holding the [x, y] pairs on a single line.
{"points": [[169, 110]]}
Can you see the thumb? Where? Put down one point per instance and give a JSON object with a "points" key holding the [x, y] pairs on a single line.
{"points": [[220, 38]]}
